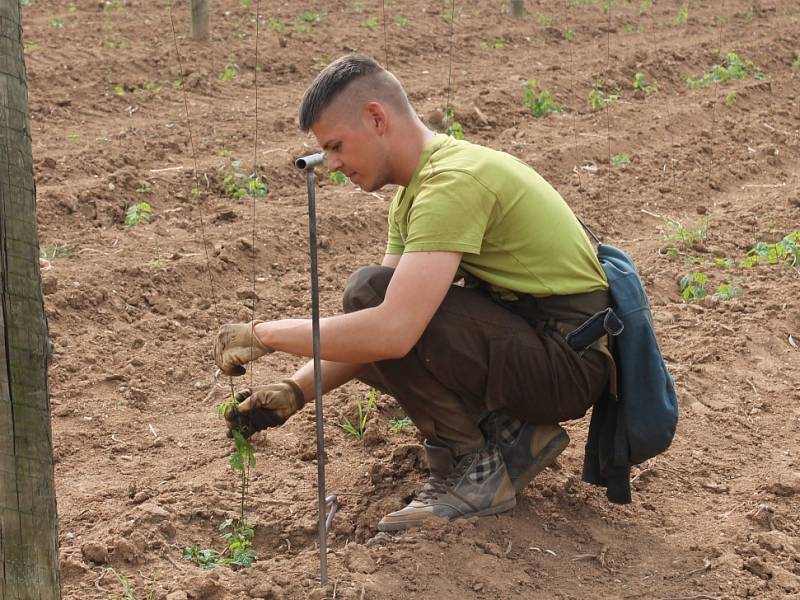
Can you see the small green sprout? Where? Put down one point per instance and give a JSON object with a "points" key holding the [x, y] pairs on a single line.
{"points": [[52, 251], [358, 428], [785, 252], [569, 35], [452, 127], [641, 85], [545, 21], [599, 98], [796, 63], [498, 44], [538, 100], [120, 90], [310, 17], [402, 21], [138, 213], [56, 23], [230, 72], [693, 286], [727, 291], [730, 98], [371, 23], [723, 263], [731, 68], [338, 178], [683, 15], [397, 425], [276, 25], [620, 159]]}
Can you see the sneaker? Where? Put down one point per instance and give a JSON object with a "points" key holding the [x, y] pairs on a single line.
{"points": [[528, 449], [476, 486]]}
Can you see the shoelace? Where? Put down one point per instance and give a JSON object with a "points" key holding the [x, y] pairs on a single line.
{"points": [[437, 485]]}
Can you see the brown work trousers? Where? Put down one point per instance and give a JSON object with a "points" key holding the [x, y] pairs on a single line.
{"points": [[480, 355]]}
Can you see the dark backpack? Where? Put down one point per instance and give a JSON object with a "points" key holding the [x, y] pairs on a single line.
{"points": [[640, 421]]}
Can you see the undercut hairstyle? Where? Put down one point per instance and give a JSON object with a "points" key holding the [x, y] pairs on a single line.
{"points": [[354, 72]]}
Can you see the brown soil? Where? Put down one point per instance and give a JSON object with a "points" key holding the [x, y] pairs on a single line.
{"points": [[141, 457]]}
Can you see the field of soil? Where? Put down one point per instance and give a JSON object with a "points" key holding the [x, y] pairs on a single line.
{"points": [[141, 455]]}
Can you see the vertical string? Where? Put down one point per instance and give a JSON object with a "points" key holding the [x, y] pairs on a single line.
{"points": [[450, 60], [608, 115], [714, 103], [255, 180], [385, 41], [196, 170]]}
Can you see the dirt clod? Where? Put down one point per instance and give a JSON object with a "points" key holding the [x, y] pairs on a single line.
{"points": [[95, 551]]}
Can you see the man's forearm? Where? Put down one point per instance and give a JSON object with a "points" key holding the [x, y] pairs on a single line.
{"points": [[333, 375], [360, 337]]}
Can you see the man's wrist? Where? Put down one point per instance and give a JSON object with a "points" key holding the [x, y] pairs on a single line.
{"points": [[261, 331]]}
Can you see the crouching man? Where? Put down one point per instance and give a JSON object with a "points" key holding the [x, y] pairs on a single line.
{"points": [[486, 270]]}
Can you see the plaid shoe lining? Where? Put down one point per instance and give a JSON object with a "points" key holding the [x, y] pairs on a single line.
{"points": [[488, 462], [508, 429]]}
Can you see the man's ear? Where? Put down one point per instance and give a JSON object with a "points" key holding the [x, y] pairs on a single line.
{"points": [[376, 117]]}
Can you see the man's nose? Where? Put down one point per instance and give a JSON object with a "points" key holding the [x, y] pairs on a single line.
{"points": [[334, 163]]}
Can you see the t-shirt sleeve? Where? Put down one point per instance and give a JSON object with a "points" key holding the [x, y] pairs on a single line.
{"points": [[394, 244], [450, 214]]}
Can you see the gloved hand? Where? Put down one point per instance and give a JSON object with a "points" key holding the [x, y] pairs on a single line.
{"points": [[264, 406], [237, 344]]}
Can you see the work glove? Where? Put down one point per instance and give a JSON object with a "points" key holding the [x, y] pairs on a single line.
{"points": [[264, 406], [237, 344]]}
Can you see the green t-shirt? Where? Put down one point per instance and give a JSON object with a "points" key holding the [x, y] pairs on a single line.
{"points": [[515, 231]]}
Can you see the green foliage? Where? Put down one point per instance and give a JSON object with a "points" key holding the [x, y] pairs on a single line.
{"points": [[238, 535], [796, 63], [358, 6], [338, 178], [630, 28], [205, 558], [569, 35], [730, 98], [114, 6], [497, 44], [727, 291], [371, 23], [397, 425], [693, 286], [731, 68], [644, 6], [310, 17], [120, 90], [785, 252], [723, 263], [599, 98], [358, 429], [156, 263], [276, 25], [239, 185], [138, 213], [52, 251], [56, 23], [128, 593], [684, 236], [539, 101], [620, 159], [683, 15], [402, 21], [452, 127], [230, 72], [546, 21], [641, 85]]}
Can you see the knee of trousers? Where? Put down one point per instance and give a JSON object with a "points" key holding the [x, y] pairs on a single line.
{"points": [[366, 288]]}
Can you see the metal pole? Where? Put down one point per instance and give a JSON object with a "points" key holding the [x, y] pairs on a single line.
{"points": [[307, 164], [517, 8]]}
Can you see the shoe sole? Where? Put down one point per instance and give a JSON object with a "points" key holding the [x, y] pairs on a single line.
{"points": [[545, 458], [493, 510]]}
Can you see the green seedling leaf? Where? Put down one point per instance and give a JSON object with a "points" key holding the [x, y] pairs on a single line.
{"points": [[620, 159], [538, 100], [138, 213]]}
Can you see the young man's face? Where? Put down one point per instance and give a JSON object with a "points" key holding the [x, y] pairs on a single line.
{"points": [[352, 147]]}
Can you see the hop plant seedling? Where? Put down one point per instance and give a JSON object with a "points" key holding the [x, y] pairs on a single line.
{"points": [[785, 252], [620, 159], [693, 286], [371, 23], [727, 291], [730, 69], [538, 100], [599, 98], [641, 85], [138, 213], [683, 15], [338, 178], [452, 127], [397, 425], [230, 72]]}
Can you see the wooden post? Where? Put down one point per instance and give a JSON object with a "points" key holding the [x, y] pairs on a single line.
{"points": [[199, 19], [28, 524], [517, 8]]}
